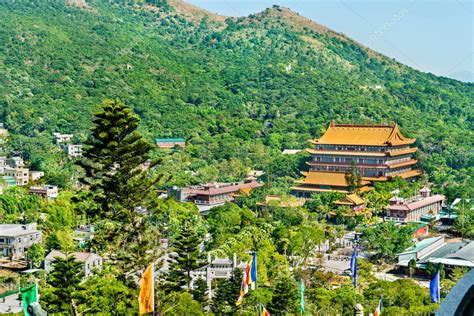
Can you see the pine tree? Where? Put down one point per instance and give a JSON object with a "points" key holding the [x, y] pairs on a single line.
{"points": [[64, 281], [112, 161], [200, 293], [187, 258], [285, 297], [226, 294], [117, 184]]}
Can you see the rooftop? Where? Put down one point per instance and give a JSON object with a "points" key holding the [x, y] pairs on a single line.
{"points": [[291, 151], [414, 202], [214, 188], [326, 178], [169, 140], [423, 244], [79, 256], [445, 250], [465, 253], [13, 230], [351, 199], [368, 135]]}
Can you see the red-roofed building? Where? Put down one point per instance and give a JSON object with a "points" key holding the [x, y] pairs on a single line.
{"points": [[412, 209], [214, 193]]}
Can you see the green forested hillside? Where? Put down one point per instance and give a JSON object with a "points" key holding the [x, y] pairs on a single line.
{"points": [[239, 90]]}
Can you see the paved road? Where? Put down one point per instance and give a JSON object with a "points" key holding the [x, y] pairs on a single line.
{"points": [[336, 266], [10, 305], [393, 277]]}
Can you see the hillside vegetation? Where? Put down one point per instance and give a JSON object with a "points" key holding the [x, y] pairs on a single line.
{"points": [[238, 89]]}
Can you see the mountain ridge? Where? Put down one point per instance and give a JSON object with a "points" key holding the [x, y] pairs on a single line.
{"points": [[263, 82]]}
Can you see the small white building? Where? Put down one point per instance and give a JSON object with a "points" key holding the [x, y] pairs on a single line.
{"points": [[218, 268], [15, 239], [74, 150], [50, 191], [16, 162], [63, 138], [20, 174], [89, 260], [291, 151], [255, 174], [36, 175]]}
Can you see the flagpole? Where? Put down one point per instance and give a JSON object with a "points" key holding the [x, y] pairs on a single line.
{"points": [[256, 283]]}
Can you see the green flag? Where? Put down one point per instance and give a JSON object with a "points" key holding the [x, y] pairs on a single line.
{"points": [[29, 295], [302, 296]]}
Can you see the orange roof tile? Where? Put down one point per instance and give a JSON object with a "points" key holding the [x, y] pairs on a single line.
{"points": [[326, 178], [246, 191], [407, 174], [365, 189], [313, 189], [382, 178], [403, 163], [370, 135], [402, 151], [350, 199]]}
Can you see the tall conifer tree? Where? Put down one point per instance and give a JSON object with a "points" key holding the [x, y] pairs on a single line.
{"points": [[186, 258], [285, 297], [63, 294], [113, 160]]}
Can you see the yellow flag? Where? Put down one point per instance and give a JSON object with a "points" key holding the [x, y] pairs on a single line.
{"points": [[147, 292]]}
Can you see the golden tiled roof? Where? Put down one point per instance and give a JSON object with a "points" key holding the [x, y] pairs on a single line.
{"points": [[402, 152], [408, 174], [351, 199], [403, 163], [326, 178], [381, 178], [313, 189], [369, 135]]}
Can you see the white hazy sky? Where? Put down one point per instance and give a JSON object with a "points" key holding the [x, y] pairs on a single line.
{"points": [[429, 35]]}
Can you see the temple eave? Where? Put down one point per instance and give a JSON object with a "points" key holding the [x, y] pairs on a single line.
{"points": [[408, 174], [318, 189]]}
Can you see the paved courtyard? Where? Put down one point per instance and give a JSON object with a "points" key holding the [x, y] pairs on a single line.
{"points": [[11, 304]]}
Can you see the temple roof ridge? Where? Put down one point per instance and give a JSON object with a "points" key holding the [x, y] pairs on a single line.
{"points": [[363, 135]]}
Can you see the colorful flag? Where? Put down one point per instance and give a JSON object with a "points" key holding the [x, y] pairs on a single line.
{"points": [[249, 278], [354, 266], [434, 288], [253, 272], [244, 288], [29, 295], [263, 311], [302, 296], [146, 297], [378, 310]]}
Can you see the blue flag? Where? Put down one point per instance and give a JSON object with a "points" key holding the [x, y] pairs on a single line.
{"points": [[253, 269], [434, 288], [354, 266]]}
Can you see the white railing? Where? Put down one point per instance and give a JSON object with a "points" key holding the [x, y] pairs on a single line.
{"points": [[395, 219]]}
